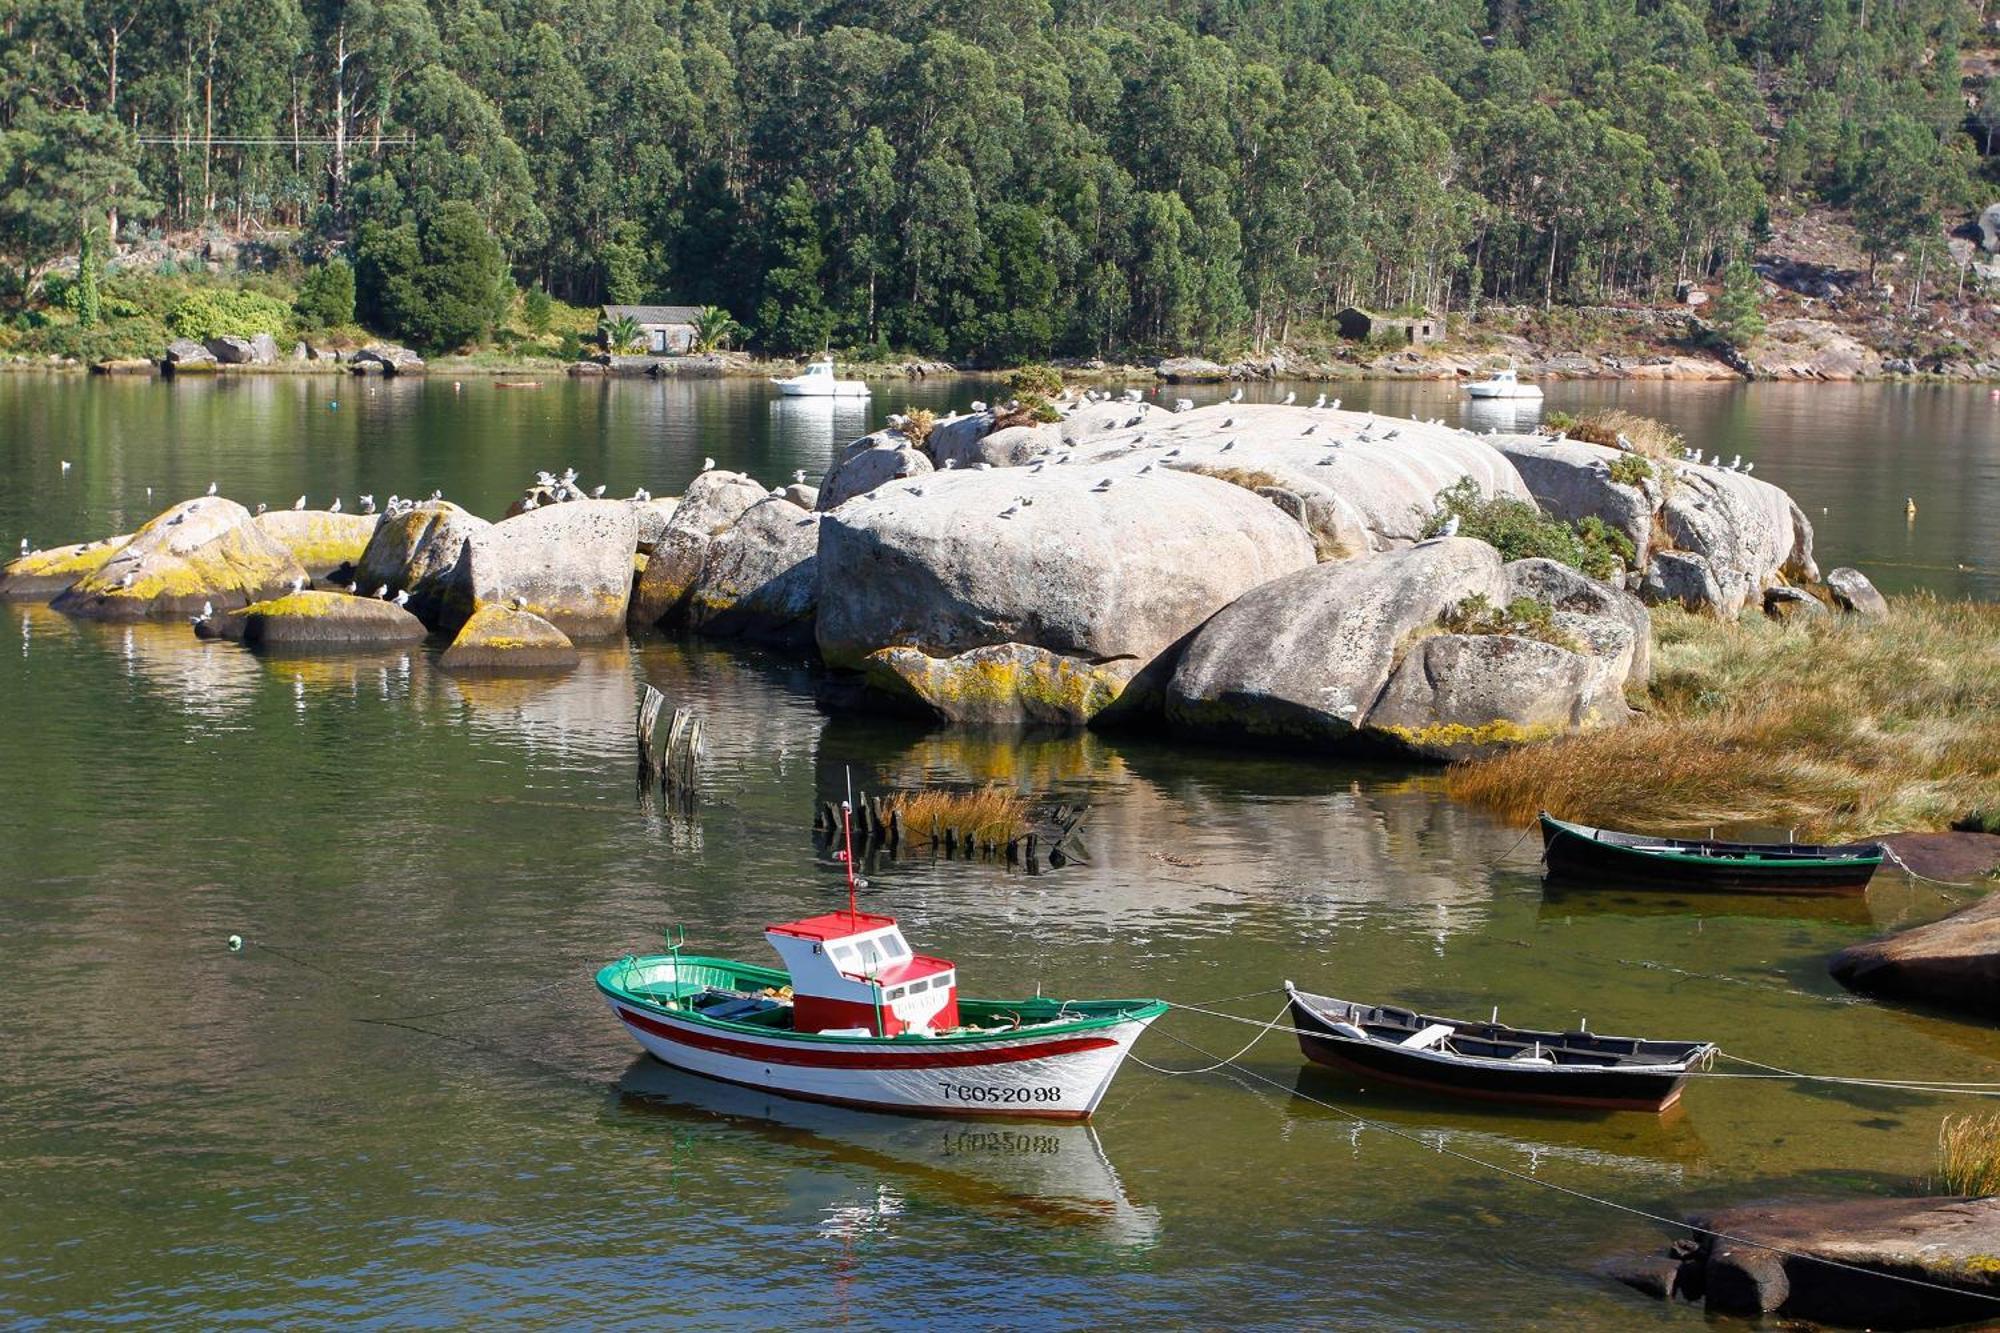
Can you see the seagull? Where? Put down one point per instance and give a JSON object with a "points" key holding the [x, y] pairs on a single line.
{"points": [[403, 597], [1320, 401], [65, 467], [982, 467], [977, 407], [367, 504], [1183, 404], [546, 480], [1010, 511], [598, 494], [642, 495], [1450, 528], [1748, 468], [126, 582], [1227, 422], [24, 546], [1174, 452], [530, 503], [799, 477], [334, 508], [1227, 445], [1291, 398], [1335, 404], [149, 492], [1308, 430], [1135, 395], [1237, 397], [383, 592], [1144, 470], [1104, 485], [298, 585], [950, 463], [353, 587], [916, 490], [777, 492], [299, 503], [708, 465], [436, 496], [569, 476], [207, 610], [1735, 462], [211, 488]]}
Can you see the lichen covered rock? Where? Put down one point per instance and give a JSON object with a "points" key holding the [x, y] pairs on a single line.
{"points": [[867, 463], [40, 575], [1009, 683], [416, 549], [760, 578], [503, 638], [570, 564], [201, 551], [309, 619], [319, 541], [712, 504]]}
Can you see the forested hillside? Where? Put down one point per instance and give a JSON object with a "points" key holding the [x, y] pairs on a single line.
{"points": [[1005, 178]]}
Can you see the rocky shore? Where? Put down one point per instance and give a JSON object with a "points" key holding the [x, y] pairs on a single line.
{"points": [[1276, 574]]}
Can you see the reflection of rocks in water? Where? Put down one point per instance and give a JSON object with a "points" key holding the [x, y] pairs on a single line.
{"points": [[585, 714], [758, 720], [1174, 831], [1040, 1174], [206, 680]]}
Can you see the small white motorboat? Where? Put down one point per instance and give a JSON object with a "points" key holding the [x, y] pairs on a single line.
{"points": [[818, 382], [1503, 384]]}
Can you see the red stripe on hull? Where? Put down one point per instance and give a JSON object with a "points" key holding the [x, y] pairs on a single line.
{"points": [[1519, 1099], [817, 1057]]}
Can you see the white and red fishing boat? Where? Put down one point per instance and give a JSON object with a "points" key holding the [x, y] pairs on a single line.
{"points": [[856, 1017]]}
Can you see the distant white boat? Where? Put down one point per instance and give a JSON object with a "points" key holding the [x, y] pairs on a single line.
{"points": [[818, 382], [1503, 384]]}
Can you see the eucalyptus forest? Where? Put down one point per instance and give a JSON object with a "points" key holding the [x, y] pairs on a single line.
{"points": [[1005, 179]]}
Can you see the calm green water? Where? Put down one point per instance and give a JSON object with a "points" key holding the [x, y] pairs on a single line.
{"points": [[402, 1104]]}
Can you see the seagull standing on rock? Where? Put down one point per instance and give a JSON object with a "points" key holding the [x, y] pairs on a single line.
{"points": [[1237, 397], [298, 504], [1291, 398], [211, 488], [334, 508], [403, 597]]}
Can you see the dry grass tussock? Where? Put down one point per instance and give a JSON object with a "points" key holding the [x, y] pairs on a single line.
{"points": [[1643, 435], [1968, 1156], [991, 813], [1841, 727]]}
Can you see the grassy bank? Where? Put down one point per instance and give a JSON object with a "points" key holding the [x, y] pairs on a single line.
{"points": [[1839, 727]]}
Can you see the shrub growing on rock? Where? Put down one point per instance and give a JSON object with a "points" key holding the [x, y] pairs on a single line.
{"points": [[1617, 429], [918, 423], [1631, 470], [1039, 381], [1523, 617], [1520, 531]]}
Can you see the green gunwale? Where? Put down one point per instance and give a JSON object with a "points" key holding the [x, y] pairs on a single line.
{"points": [[1582, 833], [655, 981]]}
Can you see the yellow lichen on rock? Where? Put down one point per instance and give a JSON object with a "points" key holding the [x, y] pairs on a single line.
{"points": [[319, 540], [46, 573], [1005, 683]]}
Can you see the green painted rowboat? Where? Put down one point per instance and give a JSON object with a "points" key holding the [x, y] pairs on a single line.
{"points": [[1580, 854]]}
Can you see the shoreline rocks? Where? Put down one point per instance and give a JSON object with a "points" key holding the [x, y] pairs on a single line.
{"points": [[1953, 963], [1947, 1244], [570, 564], [319, 541], [40, 575], [416, 548]]}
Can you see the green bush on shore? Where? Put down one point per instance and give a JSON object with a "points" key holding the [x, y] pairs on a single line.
{"points": [[1519, 531]]}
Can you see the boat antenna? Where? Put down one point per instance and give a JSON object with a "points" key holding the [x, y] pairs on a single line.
{"points": [[847, 851]]}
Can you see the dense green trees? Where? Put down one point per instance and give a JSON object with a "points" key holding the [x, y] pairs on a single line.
{"points": [[1009, 179]]}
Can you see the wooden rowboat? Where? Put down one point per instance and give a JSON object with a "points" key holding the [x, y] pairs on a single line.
{"points": [[1580, 853], [1491, 1061]]}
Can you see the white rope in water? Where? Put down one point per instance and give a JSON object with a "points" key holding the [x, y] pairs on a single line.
{"points": [[1443, 1149], [1773, 1073], [1263, 1030]]}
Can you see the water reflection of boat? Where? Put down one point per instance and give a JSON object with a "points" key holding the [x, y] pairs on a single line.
{"points": [[1563, 898], [1659, 1147], [1049, 1173]]}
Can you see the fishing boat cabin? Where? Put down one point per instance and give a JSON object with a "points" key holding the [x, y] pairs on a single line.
{"points": [[853, 975]]}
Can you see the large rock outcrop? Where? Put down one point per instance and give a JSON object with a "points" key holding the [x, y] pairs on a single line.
{"points": [[320, 541], [1951, 964], [1838, 1262], [1352, 655], [40, 575], [711, 506], [760, 579], [502, 638], [205, 551], [1050, 559], [1572, 480], [570, 564], [416, 548], [310, 620], [1749, 531]]}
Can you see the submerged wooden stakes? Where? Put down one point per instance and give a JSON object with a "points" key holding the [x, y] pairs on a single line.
{"points": [[669, 761]]}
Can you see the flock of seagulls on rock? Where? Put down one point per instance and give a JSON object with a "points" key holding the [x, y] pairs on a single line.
{"points": [[1735, 464]]}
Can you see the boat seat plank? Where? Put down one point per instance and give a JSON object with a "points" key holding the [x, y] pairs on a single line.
{"points": [[1429, 1038]]}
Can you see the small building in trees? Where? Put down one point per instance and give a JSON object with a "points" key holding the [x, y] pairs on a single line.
{"points": [[1416, 330], [664, 330]]}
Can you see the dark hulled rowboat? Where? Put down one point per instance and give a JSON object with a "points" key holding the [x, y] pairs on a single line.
{"points": [[1580, 852], [1491, 1061]]}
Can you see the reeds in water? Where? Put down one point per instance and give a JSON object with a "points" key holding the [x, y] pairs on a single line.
{"points": [[1838, 726], [991, 814], [1968, 1156]]}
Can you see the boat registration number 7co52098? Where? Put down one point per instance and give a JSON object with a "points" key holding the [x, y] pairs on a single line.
{"points": [[978, 1092]]}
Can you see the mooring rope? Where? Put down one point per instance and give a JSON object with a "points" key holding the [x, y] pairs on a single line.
{"points": [[1895, 856], [1263, 1031], [1774, 1073], [1442, 1148]]}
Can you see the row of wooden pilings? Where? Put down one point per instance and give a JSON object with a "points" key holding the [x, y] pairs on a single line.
{"points": [[878, 827]]}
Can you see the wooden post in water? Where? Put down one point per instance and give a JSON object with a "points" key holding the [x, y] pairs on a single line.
{"points": [[650, 703]]}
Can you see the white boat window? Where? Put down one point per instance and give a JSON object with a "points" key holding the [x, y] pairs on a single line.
{"points": [[843, 954], [871, 957], [893, 946]]}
